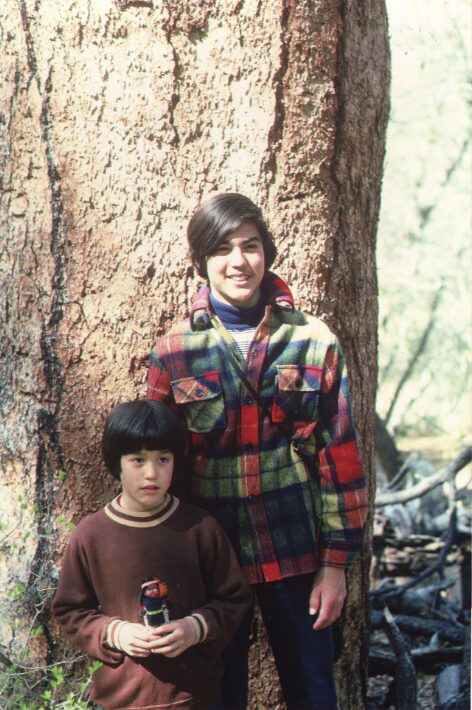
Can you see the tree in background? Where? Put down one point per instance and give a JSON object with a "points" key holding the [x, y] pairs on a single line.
{"points": [[116, 118], [424, 232]]}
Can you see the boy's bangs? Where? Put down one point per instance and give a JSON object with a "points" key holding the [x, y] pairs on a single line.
{"points": [[160, 436], [222, 227], [143, 424], [154, 435]]}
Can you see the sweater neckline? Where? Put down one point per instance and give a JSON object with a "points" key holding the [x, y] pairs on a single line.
{"points": [[115, 511]]}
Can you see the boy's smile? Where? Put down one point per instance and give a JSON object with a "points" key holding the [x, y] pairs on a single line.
{"points": [[235, 270], [145, 479]]}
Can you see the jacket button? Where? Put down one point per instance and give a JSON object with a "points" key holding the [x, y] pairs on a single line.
{"points": [[248, 400]]}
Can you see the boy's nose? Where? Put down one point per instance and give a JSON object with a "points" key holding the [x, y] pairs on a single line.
{"points": [[237, 257], [151, 470]]}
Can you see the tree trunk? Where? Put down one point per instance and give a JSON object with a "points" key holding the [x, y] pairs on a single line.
{"points": [[116, 118]]}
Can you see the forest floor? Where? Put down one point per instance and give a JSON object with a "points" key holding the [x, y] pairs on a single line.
{"points": [[379, 686]]}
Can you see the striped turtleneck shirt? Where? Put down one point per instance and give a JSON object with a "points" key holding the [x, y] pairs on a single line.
{"points": [[241, 323]]}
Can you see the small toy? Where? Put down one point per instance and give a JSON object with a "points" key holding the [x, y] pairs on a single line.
{"points": [[153, 602]]}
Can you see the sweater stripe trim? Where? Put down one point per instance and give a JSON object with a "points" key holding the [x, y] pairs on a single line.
{"points": [[155, 517], [118, 505], [203, 626]]}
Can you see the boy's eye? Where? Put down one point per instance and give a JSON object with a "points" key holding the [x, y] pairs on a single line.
{"points": [[222, 248], [254, 245]]}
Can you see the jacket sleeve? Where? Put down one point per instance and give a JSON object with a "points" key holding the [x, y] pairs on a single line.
{"points": [[159, 379], [76, 607], [229, 595], [159, 388], [342, 484]]}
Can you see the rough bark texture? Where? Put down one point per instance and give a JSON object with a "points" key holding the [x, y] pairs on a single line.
{"points": [[116, 118]]}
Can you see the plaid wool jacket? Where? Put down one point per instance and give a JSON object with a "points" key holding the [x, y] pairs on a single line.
{"points": [[281, 473]]}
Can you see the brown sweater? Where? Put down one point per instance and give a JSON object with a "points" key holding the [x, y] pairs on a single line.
{"points": [[108, 556]]}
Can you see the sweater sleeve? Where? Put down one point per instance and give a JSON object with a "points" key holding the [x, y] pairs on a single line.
{"points": [[76, 607], [229, 595], [343, 491]]}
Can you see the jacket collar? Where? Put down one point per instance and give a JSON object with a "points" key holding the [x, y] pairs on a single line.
{"points": [[277, 291]]}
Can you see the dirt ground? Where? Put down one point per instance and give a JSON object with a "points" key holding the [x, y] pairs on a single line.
{"points": [[379, 686]]}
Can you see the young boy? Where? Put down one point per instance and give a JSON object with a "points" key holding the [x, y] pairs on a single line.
{"points": [[146, 540], [264, 392]]}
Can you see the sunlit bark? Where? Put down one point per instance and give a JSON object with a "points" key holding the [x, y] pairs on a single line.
{"points": [[116, 119]]}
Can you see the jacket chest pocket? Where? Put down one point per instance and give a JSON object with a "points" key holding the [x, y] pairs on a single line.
{"points": [[297, 392], [202, 401]]}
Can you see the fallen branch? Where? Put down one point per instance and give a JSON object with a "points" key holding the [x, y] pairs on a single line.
{"points": [[437, 565], [405, 673], [426, 659], [407, 466], [428, 484], [448, 689], [418, 626], [457, 680], [383, 540], [425, 601]]}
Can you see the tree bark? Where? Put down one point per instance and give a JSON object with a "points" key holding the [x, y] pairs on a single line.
{"points": [[116, 119]]}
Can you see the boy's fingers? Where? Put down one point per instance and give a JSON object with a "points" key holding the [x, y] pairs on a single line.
{"points": [[135, 639], [330, 610], [173, 638], [165, 643], [327, 596], [141, 653], [164, 630]]}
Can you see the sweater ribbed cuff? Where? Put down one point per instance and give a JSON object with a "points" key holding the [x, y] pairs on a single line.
{"points": [[113, 634], [200, 626]]}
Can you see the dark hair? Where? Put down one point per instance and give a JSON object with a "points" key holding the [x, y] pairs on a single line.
{"points": [[142, 424], [218, 217]]}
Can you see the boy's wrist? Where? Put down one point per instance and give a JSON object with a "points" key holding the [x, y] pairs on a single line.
{"points": [[196, 628], [199, 626], [114, 629]]}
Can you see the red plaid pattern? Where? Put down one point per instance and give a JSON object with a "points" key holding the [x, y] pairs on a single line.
{"points": [[284, 517]]}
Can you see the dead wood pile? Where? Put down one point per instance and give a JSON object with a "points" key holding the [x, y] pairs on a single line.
{"points": [[420, 599]]}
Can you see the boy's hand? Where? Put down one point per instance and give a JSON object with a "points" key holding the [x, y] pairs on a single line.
{"points": [[173, 638], [135, 640], [328, 595]]}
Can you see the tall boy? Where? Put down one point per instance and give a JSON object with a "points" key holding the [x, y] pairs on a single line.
{"points": [[264, 392], [148, 545]]}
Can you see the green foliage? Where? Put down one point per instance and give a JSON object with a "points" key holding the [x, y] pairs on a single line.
{"points": [[424, 229], [47, 688], [25, 684]]}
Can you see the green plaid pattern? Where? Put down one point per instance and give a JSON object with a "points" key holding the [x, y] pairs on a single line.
{"points": [[283, 516]]}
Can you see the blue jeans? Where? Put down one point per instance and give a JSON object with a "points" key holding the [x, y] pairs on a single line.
{"points": [[304, 657]]}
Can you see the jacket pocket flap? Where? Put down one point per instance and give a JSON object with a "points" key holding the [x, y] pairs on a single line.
{"points": [[197, 389], [299, 378]]}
